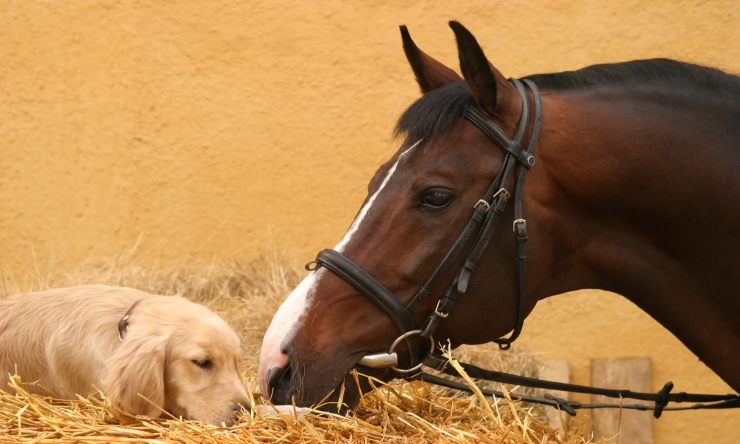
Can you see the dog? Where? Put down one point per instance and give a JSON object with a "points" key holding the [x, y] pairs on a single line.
{"points": [[147, 353]]}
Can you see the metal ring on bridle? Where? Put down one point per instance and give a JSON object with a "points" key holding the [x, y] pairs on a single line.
{"points": [[403, 337]]}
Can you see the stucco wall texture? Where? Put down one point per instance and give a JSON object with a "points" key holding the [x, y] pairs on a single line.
{"points": [[232, 129]]}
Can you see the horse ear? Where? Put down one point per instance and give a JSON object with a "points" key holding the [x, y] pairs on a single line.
{"points": [[484, 81], [430, 74]]}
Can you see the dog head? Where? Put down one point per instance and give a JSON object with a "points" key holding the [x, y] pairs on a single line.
{"points": [[179, 357]]}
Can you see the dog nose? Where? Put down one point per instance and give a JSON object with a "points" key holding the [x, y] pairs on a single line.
{"points": [[279, 384], [239, 407], [236, 411]]}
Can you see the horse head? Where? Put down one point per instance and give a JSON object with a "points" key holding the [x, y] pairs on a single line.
{"points": [[418, 204]]}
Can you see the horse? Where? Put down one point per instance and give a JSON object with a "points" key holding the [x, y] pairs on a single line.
{"points": [[634, 189]]}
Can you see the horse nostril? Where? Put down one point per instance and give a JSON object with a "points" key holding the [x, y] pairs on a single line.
{"points": [[278, 384]]}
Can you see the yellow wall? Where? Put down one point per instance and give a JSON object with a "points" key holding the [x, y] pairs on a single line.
{"points": [[229, 128]]}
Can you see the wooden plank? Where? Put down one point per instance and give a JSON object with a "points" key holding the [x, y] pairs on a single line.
{"points": [[556, 370], [622, 426]]}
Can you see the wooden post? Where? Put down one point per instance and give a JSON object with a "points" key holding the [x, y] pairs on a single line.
{"points": [[628, 426], [556, 370]]}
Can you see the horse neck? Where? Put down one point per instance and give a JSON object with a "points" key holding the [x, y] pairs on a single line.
{"points": [[631, 190]]}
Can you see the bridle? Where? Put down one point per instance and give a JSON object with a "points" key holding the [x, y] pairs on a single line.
{"points": [[478, 229]]}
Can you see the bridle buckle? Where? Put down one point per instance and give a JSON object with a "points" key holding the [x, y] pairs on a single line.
{"points": [[483, 203], [440, 313], [503, 191], [516, 222]]}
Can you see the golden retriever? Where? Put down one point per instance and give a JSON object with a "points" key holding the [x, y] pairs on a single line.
{"points": [[147, 353]]}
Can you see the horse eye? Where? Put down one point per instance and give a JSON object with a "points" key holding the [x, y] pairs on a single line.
{"points": [[436, 198], [203, 363]]}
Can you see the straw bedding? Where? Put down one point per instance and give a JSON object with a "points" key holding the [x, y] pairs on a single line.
{"points": [[246, 295]]}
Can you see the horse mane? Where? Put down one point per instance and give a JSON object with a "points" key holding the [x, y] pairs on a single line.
{"points": [[663, 72], [436, 111]]}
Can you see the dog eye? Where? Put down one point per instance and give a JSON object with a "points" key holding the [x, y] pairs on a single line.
{"points": [[203, 363], [435, 198]]}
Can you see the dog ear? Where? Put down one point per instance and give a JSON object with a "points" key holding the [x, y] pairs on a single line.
{"points": [[135, 379]]}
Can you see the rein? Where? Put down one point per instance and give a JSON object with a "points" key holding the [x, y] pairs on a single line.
{"points": [[479, 230], [660, 399]]}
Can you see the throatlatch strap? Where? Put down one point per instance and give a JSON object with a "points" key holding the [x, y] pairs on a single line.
{"points": [[520, 224]]}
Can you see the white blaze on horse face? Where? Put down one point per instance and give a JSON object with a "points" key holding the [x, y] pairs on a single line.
{"points": [[292, 310], [286, 318], [366, 208]]}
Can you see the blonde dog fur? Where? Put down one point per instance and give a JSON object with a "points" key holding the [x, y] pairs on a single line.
{"points": [[175, 355]]}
